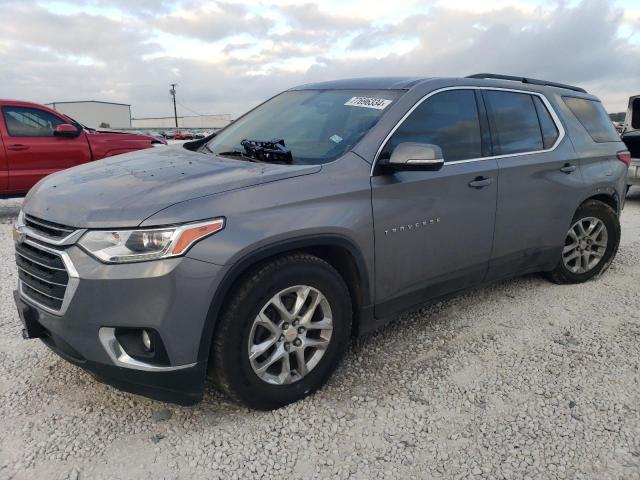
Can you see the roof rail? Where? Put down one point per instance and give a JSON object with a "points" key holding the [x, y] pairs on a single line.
{"points": [[532, 81]]}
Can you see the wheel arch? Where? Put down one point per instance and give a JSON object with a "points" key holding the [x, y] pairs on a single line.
{"points": [[608, 196], [339, 251]]}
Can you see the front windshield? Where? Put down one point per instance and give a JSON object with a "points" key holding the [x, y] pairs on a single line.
{"points": [[317, 126]]}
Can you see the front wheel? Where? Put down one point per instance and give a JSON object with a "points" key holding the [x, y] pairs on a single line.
{"points": [[283, 332], [590, 245]]}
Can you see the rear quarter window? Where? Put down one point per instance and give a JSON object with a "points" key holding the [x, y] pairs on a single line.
{"points": [[547, 126], [592, 116]]}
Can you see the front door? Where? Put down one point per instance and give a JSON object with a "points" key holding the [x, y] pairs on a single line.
{"points": [[32, 149], [434, 229]]}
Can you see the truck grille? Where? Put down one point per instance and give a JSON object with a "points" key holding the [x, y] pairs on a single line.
{"points": [[48, 229], [43, 275]]}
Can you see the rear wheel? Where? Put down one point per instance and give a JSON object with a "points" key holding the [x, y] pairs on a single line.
{"points": [[590, 245], [283, 333]]}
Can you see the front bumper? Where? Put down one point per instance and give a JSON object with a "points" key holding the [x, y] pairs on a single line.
{"points": [[171, 297], [633, 175]]}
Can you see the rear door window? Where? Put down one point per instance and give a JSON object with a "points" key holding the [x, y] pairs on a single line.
{"points": [[594, 119], [449, 120], [514, 122], [29, 122]]}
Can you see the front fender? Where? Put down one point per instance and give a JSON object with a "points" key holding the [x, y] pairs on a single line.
{"points": [[253, 256]]}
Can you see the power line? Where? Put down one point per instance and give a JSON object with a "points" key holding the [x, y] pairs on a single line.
{"points": [[190, 109]]}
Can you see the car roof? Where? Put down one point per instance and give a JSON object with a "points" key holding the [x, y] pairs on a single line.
{"points": [[408, 83], [21, 103], [364, 83]]}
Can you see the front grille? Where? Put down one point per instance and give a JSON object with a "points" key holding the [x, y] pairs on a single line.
{"points": [[43, 275], [47, 228]]}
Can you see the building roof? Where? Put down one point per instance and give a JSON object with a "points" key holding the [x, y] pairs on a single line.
{"points": [[183, 116]]}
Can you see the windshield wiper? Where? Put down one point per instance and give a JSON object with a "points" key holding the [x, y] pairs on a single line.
{"points": [[236, 153], [272, 151]]}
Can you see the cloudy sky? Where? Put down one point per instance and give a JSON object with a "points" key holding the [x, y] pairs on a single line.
{"points": [[229, 55]]}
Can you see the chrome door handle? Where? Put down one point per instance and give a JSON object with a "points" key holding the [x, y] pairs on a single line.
{"points": [[568, 168], [481, 182]]}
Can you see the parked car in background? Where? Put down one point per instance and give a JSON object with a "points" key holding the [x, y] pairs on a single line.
{"points": [[182, 135], [322, 213], [631, 138], [36, 140], [155, 134]]}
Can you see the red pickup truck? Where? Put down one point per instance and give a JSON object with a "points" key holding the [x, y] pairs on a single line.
{"points": [[36, 141]]}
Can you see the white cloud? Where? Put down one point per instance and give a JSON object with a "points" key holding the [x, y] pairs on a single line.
{"points": [[228, 56]]}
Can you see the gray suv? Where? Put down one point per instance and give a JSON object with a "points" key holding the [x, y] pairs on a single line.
{"points": [[253, 255]]}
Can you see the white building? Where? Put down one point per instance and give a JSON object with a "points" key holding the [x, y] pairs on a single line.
{"points": [[199, 121], [96, 114]]}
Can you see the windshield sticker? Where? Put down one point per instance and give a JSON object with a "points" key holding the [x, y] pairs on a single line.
{"points": [[335, 138], [368, 102]]}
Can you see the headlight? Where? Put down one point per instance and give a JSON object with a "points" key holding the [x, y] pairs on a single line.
{"points": [[124, 246]]}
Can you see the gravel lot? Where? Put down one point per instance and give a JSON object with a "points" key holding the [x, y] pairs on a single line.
{"points": [[522, 379]]}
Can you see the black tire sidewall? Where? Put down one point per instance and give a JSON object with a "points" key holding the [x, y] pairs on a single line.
{"points": [[608, 217], [242, 379]]}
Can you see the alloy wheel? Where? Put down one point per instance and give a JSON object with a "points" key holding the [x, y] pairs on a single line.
{"points": [[290, 335], [585, 245]]}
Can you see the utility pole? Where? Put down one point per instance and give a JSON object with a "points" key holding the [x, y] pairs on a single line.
{"points": [[173, 94]]}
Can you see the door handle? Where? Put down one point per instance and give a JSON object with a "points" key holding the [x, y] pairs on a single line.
{"points": [[481, 182], [568, 168], [17, 147]]}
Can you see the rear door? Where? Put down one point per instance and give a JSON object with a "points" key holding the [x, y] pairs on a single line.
{"points": [[540, 182], [32, 149], [434, 229]]}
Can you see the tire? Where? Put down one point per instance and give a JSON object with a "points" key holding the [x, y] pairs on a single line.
{"points": [[589, 213], [238, 330]]}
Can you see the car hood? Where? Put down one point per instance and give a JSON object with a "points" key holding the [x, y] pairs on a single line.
{"points": [[123, 191], [118, 136]]}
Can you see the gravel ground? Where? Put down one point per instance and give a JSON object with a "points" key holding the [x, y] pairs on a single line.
{"points": [[522, 379]]}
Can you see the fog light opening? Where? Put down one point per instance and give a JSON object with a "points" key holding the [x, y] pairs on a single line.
{"points": [[146, 340], [142, 344]]}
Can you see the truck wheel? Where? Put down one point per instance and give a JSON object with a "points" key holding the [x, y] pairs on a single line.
{"points": [[590, 245], [283, 332]]}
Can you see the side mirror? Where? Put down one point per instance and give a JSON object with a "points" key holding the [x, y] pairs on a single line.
{"points": [[415, 156], [66, 130]]}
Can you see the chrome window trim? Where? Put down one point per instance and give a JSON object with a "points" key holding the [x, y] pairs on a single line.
{"points": [[119, 357], [552, 112], [74, 280]]}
